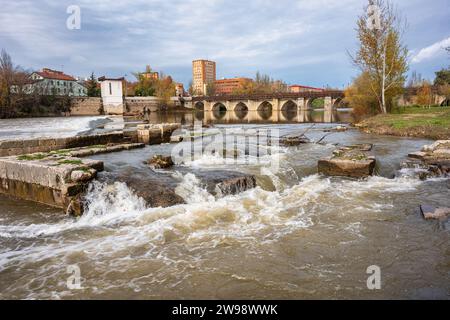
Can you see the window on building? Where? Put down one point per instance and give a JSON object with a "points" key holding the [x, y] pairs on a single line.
{"points": [[110, 89]]}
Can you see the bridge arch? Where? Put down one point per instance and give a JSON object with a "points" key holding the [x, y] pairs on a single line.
{"points": [[315, 103], [219, 110], [445, 102], [199, 105], [338, 103], [241, 106], [265, 110], [241, 110], [289, 110]]}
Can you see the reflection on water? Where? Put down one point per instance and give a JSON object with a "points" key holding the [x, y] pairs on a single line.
{"points": [[263, 116]]}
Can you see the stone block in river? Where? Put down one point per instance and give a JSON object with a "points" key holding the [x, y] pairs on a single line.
{"points": [[430, 212], [50, 179], [435, 158], [156, 134], [438, 145], [161, 162], [417, 155], [347, 168], [349, 161]]}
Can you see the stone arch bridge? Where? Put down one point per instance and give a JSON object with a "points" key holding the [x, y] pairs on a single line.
{"points": [[269, 102]]}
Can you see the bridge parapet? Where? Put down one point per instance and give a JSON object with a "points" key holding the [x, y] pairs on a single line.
{"points": [[334, 94]]}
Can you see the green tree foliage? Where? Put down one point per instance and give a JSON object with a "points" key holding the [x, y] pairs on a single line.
{"points": [[442, 77], [262, 84], [93, 89], [163, 87], [425, 95], [381, 55], [360, 97]]}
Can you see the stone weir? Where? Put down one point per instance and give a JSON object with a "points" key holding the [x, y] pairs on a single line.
{"points": [[18, 147], [57, 178], [50, 179], [55, 172]]}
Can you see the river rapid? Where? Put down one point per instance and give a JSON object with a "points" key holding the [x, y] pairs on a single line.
{"points": [[298, 235]]}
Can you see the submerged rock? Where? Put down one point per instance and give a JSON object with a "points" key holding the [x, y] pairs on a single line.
{"points": [[293, 141], [227, 182], [158, 189], [161, 162], [430, 212], [155, 190]]}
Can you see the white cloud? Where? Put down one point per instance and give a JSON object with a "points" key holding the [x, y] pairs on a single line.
{"points": [[431, 51]]}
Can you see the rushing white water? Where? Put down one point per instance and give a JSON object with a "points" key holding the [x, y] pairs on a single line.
{"points": [[307, 237], [44, 127]]}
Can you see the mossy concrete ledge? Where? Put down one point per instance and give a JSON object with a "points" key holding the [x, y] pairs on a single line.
{"points": [[18, 147], [49, 179]]}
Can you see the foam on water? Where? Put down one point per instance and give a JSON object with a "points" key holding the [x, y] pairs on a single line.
{"points": [[44, 127]]}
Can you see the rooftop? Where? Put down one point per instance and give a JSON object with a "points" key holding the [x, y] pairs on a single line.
{"points": [[47, 73]]}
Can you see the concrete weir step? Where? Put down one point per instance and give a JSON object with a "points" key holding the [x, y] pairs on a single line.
{"points": [[53, 180], [17, 147]]}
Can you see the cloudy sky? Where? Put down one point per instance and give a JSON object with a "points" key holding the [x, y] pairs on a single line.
{"points": [[299, 41]]}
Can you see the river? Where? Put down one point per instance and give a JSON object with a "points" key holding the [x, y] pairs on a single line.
{"points": [[298, 235]]}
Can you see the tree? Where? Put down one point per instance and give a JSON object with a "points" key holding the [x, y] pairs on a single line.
{"points": [[7, 74], [442, 77], [92, 85], [145, 87], [165, 89], [381, 55], [360, 97], [425, 95], [262, 84]]}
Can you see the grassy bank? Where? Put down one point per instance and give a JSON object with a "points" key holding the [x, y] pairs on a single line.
{"points": [[432, 123]]}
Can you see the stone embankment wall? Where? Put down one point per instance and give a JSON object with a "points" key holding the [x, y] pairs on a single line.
{"points": [[18, 147], [136, 105], [86, 106]]}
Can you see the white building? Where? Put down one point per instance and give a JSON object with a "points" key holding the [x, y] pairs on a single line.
{"points": [[53, 82], [112, 95]]}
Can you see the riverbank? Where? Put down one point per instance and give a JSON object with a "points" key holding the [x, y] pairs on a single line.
{"points": [[432, 123]]}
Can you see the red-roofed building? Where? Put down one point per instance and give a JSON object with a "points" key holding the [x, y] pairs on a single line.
{"points": [[296, 88], [48, 81]]}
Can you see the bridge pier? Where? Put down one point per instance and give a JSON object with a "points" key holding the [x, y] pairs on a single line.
{"points": [[276, 104], [328, 106]]}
